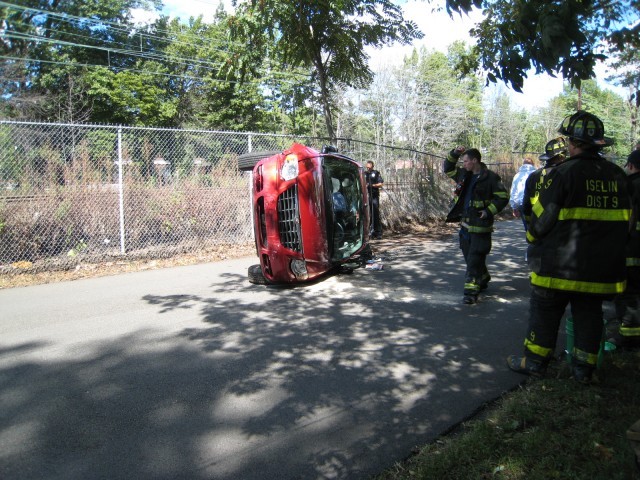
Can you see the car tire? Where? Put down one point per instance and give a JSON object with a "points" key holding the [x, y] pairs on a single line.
{"points": [[255, 275], [247, 161]]}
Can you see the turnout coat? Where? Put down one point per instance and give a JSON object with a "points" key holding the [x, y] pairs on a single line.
{"points": [[488, 194], [579, 227]]}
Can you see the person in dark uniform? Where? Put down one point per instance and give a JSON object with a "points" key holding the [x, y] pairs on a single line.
{"points": [[480, 196], [628, 304], [374, 184], [555, 152], [578, 227]]}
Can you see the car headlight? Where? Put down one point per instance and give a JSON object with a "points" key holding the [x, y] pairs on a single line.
{"points": [[299, 269], [289, 167]]}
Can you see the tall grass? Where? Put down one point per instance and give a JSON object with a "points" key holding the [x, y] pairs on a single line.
{"points": [[545, 429]]}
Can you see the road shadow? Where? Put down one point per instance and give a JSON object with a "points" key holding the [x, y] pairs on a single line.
{"points": [[338, 379]]}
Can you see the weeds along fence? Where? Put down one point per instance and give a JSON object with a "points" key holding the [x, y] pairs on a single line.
{"points": [[88, 192]]}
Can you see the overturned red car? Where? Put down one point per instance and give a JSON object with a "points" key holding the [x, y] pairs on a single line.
{"points": [[310, 213]]}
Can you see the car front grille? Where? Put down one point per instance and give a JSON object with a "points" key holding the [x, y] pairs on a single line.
{"points": [[289, 219]]}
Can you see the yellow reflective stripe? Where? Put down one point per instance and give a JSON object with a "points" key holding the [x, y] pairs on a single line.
{"points": [[451, 174], [537, 349], [537, 209], [577, 285], [530, 238], [637, 226], [492, 208], [630, 331], [473, 229], [481, 203], [586, 357], [584, 213], [633, 262], [501, 194], [480, 229]]}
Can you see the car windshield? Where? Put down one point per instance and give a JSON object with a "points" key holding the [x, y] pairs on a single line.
{"points": [[345, 229]]}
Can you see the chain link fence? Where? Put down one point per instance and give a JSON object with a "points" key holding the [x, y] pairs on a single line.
{"points": [[88, 192]]}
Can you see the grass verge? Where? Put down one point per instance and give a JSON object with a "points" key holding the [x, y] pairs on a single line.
{"points": [[553, 428]]}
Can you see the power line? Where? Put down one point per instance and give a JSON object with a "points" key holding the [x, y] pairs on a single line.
{"points": [[150, 56], [116, 27], [133, 53], [137, 70], [143, 53]]}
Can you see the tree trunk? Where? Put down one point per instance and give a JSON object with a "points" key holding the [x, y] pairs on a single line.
{"points": [[324, 95]]}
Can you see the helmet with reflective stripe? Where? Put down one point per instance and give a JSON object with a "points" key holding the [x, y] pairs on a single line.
{"points": [[555, 148], [584, 127]]}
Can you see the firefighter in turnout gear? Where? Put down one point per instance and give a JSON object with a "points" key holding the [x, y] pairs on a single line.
{"points": [[480, 196], [555, 152], [628, 330], [581, 216]]}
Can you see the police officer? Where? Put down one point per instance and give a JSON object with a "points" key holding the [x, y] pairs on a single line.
{"points": [[480, 196], [374, 184], [581, 215]]}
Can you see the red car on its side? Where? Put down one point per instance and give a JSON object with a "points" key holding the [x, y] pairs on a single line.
{"points": [[310, 212]]}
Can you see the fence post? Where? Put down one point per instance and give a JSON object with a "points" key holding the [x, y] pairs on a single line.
{"points": [[121, 190], [249, 146]]}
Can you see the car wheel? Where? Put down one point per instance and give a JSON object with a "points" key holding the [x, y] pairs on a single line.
{"points": [[255, 275], [247, 161]]}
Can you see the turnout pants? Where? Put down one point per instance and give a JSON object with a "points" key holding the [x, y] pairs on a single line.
{"points": [[628, 308], [546, 308], [475, 248]]}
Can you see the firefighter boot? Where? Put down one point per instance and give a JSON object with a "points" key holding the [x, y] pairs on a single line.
{"points": [[471, 290], [582, 373], [484, 281], [628, 332], [526, 366], [469, 299]]}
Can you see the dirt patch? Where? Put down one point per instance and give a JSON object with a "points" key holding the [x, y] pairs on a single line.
{"points": [[22, 274], [417, 234]]}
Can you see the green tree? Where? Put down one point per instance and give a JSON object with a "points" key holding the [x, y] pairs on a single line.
{"points": [[626, 65], [208, 92], [292, 105], [47, 45], [565, 37], [132, 97], [440, 107], [607, 105], [423, 104], [508, 130], [328, 36]]}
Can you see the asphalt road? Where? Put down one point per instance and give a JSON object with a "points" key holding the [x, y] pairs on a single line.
{"points": [[193, 373]]}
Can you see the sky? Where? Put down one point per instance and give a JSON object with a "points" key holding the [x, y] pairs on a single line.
{"points": [[440, 31]]}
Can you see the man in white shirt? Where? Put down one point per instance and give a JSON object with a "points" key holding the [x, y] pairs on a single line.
{"points": [[516, 195]]}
